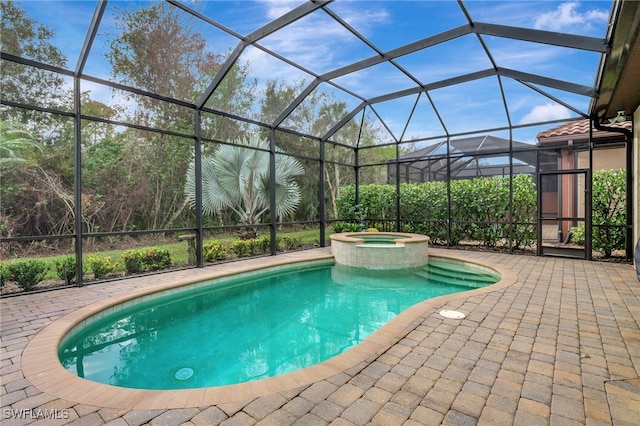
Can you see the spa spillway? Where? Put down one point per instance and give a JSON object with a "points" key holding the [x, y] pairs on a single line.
{"points": [[380, 250]]}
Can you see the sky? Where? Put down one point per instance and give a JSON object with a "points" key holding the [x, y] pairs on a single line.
{"points": [[319, 44]]}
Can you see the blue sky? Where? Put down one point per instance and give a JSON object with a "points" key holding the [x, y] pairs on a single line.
{"points": [[320, 44]]}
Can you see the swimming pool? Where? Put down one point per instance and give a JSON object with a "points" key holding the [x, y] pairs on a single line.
{"points": [[237, 330]]}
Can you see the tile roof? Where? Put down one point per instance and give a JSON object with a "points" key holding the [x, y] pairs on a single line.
{"points": [[579, 128]]}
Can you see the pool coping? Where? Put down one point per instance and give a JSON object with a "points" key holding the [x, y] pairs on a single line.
{"points": [[403, 237], [41, 367]]}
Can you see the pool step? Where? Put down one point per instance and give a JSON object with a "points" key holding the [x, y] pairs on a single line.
{"points": [[445, 273], [462, 270]]}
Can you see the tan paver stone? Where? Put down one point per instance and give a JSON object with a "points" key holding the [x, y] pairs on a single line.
{"points": [[361, 412], [210, 416], [469, 404], [391, 414], [319, 391], [327, 410], [426, 416], [439, 400], [312, 420], [263, 406], [239, 419], [278, 418], [495, 416], [456, 418], [346, 395], [568, 407], [391, 382], [298, 406], [418, 385]]}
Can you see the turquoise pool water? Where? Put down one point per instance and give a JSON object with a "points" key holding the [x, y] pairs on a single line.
{"points": [[251, 328]]}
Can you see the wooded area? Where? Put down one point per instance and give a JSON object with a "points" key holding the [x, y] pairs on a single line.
{"points": [[133, 177]]}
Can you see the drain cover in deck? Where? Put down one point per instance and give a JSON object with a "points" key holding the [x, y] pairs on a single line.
{"points": [[452, 314]]}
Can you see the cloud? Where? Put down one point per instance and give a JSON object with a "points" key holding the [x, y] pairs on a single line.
{"points": [[567, 17], [546, 112], [277, 8]]}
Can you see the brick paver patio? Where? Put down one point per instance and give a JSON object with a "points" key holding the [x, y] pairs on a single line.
{"points": [[560, 346]]}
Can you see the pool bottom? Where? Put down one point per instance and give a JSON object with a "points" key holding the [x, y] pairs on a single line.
{"points": [[41, 368]]}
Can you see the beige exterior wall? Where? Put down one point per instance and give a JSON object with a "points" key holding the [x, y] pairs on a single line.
{"points": [[608, 159]]}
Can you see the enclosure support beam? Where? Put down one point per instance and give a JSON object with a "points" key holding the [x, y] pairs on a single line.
{"points": [[197, 162], [77, 179], [321, 192]]}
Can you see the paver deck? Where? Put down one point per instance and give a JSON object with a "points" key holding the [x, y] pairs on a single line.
{"points": [[559, 346]]}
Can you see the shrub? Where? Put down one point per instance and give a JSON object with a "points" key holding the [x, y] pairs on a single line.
{"points": [[101, 266], [66, 269], [608, 213], [263, 244], [156, 258], [338, 227], [352, 227], [372, 230], [27, 273], [241, 248], [133, 261], [609, 200], [213, 250], [291, 243], [578, 234], [146, 259], [4, 275]]}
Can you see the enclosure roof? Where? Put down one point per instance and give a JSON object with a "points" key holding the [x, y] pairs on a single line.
{"points": [[579, 130], [416, 69], [475, 145]]}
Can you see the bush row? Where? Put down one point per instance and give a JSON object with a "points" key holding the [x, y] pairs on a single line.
{"points": [[215, 250], [479, 209], [28, 273]]}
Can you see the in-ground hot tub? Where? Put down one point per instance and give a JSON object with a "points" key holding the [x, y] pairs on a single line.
{"points": [[380, 250]]}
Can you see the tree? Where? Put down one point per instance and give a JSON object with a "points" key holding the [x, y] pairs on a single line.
{"points": [[24, 36], [158, 48], [14, 138], [237, 177]]}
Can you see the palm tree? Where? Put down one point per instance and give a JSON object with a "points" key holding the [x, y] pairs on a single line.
{"points": [[237, 177], [14, 137]]}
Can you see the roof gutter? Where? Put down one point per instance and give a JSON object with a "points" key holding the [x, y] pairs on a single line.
{"points": [[598, 126]]}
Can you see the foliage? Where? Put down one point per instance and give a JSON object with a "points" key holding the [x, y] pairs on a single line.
{"points": [[213, 250], [372, 230], [101, 266], [609, 215], [66, 269], [578, 234], [146, 259], [524, 208], [14, 138], [238, 178], [250, 247], [479, 209], [5, 275], [352, 227], [338, 227], [291, 243], [27, 273]]}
